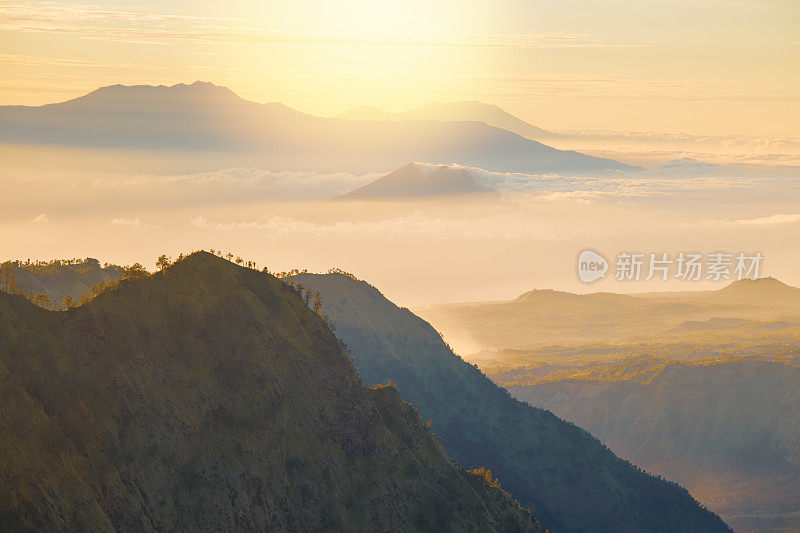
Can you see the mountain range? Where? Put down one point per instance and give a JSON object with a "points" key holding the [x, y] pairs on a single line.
{"points": [[221, 128], [547, 317], [568, 478], [697, 386], [208, 397]]}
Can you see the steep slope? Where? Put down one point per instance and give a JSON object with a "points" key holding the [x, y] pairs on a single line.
{"points": [[728, 431], [567, 477], [207, 397], [204, 117], [417, 180], [454, 111]]}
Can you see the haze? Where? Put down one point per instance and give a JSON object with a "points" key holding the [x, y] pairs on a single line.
{"points": [[702, 67], [127, 173], [418, 251]]}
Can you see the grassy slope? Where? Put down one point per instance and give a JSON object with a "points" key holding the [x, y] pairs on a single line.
{"points": [[567, 477], [209, 397]]}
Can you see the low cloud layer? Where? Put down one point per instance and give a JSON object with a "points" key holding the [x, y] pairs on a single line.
{"points": [[133, 223], [417, 252]]}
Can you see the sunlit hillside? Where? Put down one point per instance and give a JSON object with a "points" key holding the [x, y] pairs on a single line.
{"points": [[258, 423]]}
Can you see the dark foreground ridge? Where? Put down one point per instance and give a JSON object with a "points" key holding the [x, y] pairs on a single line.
{"points": [[208, 397], [568, 478]]}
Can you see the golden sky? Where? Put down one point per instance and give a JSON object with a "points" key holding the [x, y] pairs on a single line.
{"points": [[704, 67]]}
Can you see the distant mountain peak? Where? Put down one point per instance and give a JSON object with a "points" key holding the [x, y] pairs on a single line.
{"points": [[767, 286], [197, 91], [543, 293], [419, 180]]}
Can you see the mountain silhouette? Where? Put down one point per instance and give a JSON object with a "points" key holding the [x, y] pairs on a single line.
{"points": [[546, 317], [761, 289], [454, 111], [204, 117], [208, 397], [568, 478], [418, 180]]}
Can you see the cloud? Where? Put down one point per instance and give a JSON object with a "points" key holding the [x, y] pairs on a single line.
{"points": [[157, 28], [682, 137], [543, 40], [631, 88], [649, 184], [132, 223], [124, 196], [511, 226], [241, 183], [658, 145], [773, 220], [41, 218]]}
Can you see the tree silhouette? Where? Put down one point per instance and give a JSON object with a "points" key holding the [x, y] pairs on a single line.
{"points": [[135, 271], [317, 302], [7, 280], [163, 262]]}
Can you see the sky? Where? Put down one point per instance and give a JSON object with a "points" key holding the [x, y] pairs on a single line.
{"points": [[723, 67], [716, 80]]}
